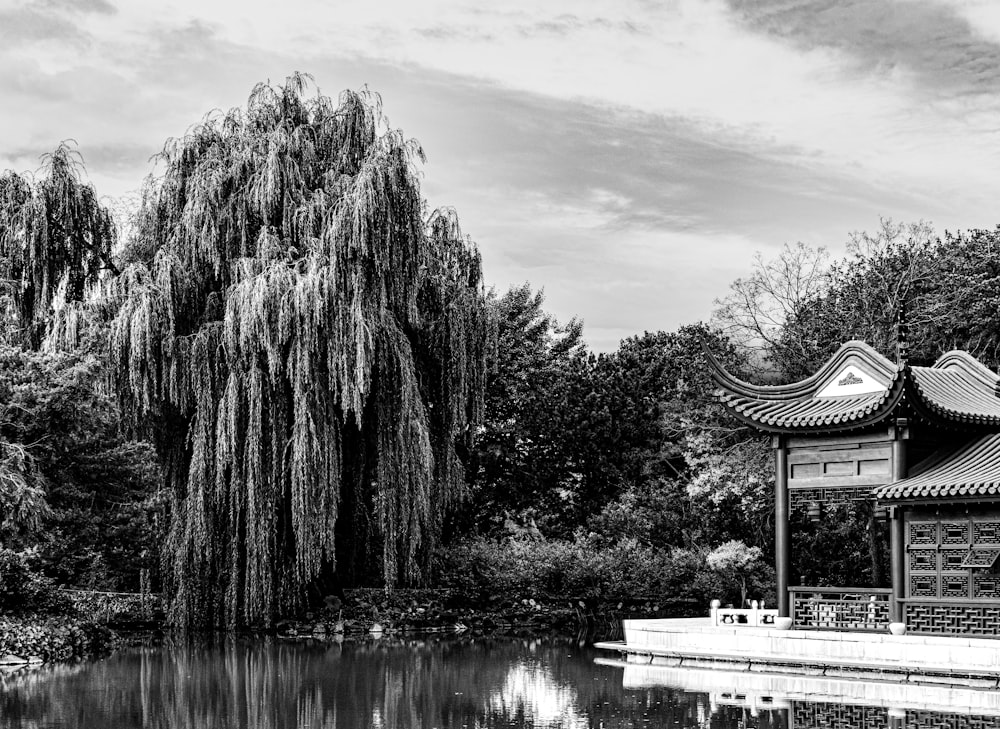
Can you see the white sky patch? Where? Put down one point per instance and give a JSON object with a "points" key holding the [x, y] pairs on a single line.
{"points": [[591, 268]]}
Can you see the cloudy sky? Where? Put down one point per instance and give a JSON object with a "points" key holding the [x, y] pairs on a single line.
{"points": [[628, 156]]}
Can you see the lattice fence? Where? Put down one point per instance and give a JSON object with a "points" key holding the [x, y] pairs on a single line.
{"points": [[940, 618], [938, 720], [819, 715], [838, 716], [832, 609], [116, 607], [799, 498]]}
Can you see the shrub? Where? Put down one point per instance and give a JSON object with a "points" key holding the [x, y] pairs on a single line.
{"points": [[53, 638], [738, 564], [25, 590], [585, 567]]}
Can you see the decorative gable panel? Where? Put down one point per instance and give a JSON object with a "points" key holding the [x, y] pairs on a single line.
{"points": [[851, 380]]}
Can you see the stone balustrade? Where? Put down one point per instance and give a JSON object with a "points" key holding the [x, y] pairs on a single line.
{"points": [[755, 616]]}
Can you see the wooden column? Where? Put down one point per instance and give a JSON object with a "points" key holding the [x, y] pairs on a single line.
{"points": [[899, 433], [782, 541], [897, 546], [897, 535]]}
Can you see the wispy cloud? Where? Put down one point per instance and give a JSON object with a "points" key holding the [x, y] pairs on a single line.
{"points": [[26, 25], [101, 7], [879, 105], [628, 155], [931, 42]]}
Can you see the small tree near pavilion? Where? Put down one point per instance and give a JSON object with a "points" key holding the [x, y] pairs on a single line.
{"points": [[737, 562]]}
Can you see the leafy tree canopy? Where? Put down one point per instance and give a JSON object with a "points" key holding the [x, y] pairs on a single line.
{"points": [[73, 490], [524, 462], [56, 238], [949, 288], [799, 308], [305, 347]]}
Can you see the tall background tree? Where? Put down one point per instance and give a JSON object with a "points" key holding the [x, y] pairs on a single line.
{"points": [[526, 457], [946, 286], [758, 307], [305, 346], [607, 443], [77, 497], [56, 240]]}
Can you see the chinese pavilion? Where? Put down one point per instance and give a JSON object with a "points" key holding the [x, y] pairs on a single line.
{"points": [[923, 442]]}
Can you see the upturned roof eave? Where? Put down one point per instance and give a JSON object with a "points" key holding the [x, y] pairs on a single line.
{"points": [[970, 474], [886, 410], [803, 388], [904, 390], [970, 404]]}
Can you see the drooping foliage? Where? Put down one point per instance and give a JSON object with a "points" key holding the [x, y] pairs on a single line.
{"points": [[306, 348], [55, 240]]}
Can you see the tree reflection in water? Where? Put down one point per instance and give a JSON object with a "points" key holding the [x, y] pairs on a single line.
{"points": [[415, 684]]}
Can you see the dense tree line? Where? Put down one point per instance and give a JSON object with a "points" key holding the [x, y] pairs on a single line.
{"points": [[287, 378], [567, 432]]}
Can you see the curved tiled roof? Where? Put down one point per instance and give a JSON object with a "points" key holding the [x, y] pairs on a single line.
{"points": [[957, 389], [854, 350], [810, 413], [973, 472]]}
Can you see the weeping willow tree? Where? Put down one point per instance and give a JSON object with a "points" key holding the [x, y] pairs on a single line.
{"points": [[56, 239], [306, 346]]}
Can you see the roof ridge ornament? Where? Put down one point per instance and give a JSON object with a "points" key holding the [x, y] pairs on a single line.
{"points": [[850, 379], [902, 329]]}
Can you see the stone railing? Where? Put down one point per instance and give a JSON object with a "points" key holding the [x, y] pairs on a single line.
{"points": [[840, 608], [115, 607], [755, 616]]}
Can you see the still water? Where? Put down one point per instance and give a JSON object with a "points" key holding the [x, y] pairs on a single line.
{"points": [[415, 684]]}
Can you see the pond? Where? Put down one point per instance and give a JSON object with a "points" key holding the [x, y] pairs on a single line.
{"points": [[445, 683]]}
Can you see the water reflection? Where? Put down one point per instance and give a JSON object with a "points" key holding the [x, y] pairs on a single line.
{"points": [[833, 700], [442, 684], [530, 690]]}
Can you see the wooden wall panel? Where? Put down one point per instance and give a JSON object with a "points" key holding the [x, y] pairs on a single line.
{"points": [[839, 462]]}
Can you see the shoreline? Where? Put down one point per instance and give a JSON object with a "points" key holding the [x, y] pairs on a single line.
{"points": [[33, 639], [37, 639]]}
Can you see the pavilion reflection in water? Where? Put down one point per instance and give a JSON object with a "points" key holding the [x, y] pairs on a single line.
{"points": [[817, 702]]}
